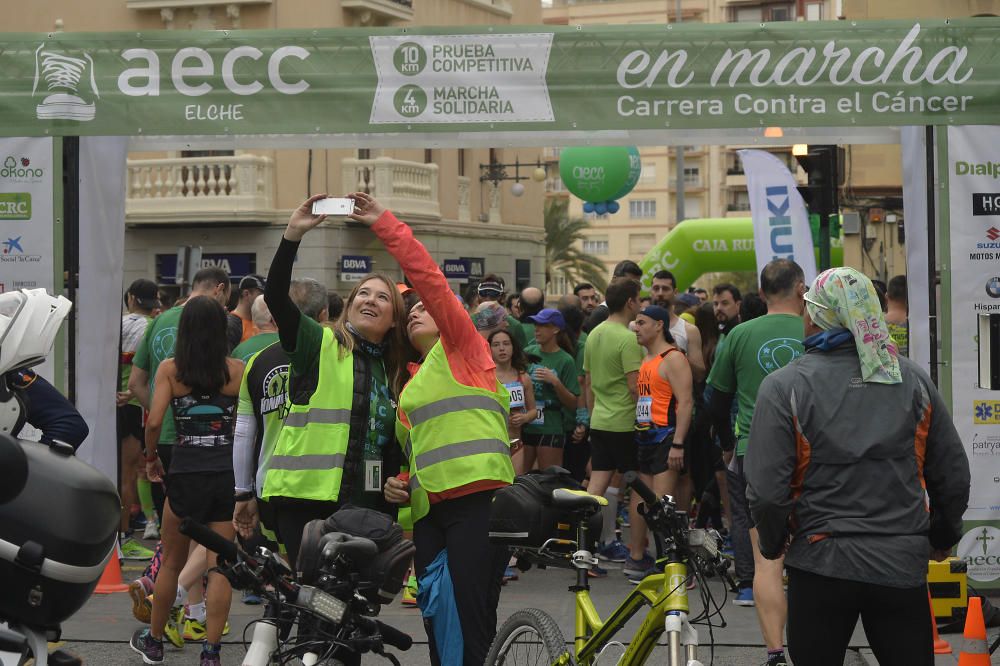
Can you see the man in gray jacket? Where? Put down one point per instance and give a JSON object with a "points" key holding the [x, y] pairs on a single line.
{"points": [[845, 442]]}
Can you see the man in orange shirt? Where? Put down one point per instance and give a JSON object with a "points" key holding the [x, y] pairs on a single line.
{"points": [[251, 286]]}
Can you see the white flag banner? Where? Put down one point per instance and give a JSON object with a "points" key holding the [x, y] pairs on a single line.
{"points": [[780, 221]]}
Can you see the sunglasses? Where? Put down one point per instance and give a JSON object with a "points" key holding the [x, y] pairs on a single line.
{"points": [[805, 296], [490, 293]]}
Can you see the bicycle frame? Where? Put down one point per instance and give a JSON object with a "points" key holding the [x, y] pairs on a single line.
{"points": [[667, 598]]}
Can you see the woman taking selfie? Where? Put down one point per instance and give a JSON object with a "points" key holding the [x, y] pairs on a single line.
{"points": [[452, 423], [343, 381]]}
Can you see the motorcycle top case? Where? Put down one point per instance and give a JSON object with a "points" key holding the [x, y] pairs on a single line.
{"points": [[55, 537], [522, 514]]}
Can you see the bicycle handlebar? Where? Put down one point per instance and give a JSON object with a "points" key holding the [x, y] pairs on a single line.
{"points": [[227, 550], [390, 635], [632, 479]]}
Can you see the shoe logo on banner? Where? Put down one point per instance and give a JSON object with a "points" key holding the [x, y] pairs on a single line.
{"points": [[68, 83]]}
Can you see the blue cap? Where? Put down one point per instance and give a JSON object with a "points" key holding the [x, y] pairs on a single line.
{"points": [[656, 312], [549, 316]]}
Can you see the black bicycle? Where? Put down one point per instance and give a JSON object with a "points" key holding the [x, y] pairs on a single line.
{"points": [[334, 617]]}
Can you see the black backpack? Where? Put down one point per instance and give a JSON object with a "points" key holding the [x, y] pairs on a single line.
{"points": [[382, 578], [522, 513]]}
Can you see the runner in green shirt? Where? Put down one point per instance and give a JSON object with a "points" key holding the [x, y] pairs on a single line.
{"points": [[556, 388], [611, 360], [752, 351]]}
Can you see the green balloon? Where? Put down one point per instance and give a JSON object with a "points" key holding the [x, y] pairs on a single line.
{"points": [[599, 173], [711, 245], [634, 171]]}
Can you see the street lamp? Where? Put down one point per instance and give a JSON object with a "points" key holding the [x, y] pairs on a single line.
{"points": [[495, 172]]}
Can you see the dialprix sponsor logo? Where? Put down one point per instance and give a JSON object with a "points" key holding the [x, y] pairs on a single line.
{"points": [[15, 206]]}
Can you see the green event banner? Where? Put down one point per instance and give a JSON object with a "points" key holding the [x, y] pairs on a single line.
{"points": [[574, 80]]}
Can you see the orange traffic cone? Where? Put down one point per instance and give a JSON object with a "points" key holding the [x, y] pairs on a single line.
{"points": [[940, 645], [111, 577], [974, 649]]}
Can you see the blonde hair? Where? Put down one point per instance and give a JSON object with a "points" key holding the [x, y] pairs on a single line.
{"points": [[395, 340]]}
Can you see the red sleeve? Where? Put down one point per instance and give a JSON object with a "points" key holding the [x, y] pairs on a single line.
{"points": [[468, 354]]}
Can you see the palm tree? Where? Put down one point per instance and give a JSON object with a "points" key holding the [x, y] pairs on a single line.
{"points": [[564, 256]]}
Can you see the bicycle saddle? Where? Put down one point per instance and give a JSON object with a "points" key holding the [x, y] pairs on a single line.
{"points": [[356, 549], [575, 500]]}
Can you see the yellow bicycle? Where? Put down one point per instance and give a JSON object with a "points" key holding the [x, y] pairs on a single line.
{"points": [[532, 636]]}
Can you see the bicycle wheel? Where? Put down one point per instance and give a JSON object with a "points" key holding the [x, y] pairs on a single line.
{"points": [[529, 636]]}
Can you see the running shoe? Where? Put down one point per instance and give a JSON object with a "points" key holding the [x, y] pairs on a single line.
{"points": [[615, 551], [636, 577], [152, 531], [210, 657], [410, 592], [622, 518], [252, 598], [133, 550], [636, 567], [745, 597], [142, 607], [174, 629], [150, 648], [510, 573], [597, 571], [194, 630]]}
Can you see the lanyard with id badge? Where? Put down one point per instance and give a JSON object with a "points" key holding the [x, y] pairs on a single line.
{"points": [[374, 480]]}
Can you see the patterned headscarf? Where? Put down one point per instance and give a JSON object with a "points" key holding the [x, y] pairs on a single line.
{"points": [[846, 298]]}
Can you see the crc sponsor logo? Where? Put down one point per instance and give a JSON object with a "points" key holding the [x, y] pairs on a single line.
{"points": [[19, 170], [986, 412], [986, 203], [985, 445], [980, 548], [25, 284], [15, 206]]}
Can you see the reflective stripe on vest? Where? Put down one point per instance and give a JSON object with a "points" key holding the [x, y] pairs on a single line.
{"points": [[308, 458], [461, 449], [315, 461], [316, 415], [441, 407], [457, 434]]}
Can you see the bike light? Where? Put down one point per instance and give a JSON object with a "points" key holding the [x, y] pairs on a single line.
{"points": [[321, 603]]}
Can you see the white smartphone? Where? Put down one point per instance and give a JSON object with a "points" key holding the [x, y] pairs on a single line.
{"points": [[333, 206]]}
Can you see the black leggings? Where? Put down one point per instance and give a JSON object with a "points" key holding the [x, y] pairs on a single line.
{"points": [[476, 566], [822, 614]]}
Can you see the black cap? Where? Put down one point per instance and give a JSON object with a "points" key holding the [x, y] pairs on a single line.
{"points": [[253, 281], [145, 292]]}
